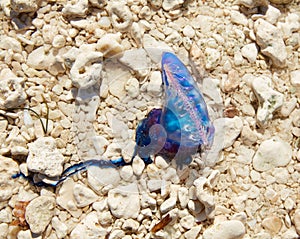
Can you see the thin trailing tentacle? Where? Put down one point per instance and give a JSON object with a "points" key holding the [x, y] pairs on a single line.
{"points": [[80, 167], [76, 168]]}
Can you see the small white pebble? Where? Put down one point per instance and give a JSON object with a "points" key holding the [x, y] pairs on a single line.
{"points": [[138, 166], [104, 22], [57, 89], [126, 172], [187, 222], [188, 31], [250, 52], [160, 162], [167, 205], [59, 41]]}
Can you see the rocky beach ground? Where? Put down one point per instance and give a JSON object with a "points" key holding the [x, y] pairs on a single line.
{"points": [[76, 77]]}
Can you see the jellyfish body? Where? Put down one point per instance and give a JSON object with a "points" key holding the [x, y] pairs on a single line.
{"points": [[184, 120]]}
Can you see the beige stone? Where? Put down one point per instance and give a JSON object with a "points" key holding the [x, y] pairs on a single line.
{"points": [[296, 220], [121, 16], [231, 82], [39, 213], [24, 5], [273, 224]]}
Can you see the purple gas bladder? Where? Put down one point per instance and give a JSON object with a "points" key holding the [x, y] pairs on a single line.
{"points": [[182, 126]]}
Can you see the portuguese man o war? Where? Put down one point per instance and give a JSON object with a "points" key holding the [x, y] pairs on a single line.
{"points": [[183, 121], [177, 131]]}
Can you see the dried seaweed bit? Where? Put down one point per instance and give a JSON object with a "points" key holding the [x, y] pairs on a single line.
{"points": [[230, 112], [163, 222], [19, 213], [107, 235], [45, 127], [297, 143], [47, 116]]}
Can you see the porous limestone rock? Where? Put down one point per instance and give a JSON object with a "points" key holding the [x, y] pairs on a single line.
{"points": [[121, 16], [97, 3], [5, 5], [253, 3], [124, 201], [39, 213], [205, 197], [39, 59], [167, 205], [272, 153], [156, 4], [11, 90], [269, 99], [193, 232], [138, 166], [187, 221], [44, 157], [86, 65], [238, 18], [288, 107], [137, 33], [272, 14], [77, 9], [295, 80], [8, 167], [295, 116], [212, 57], [10, 43], [269, 38], [183, 196], [169, 5], [42, 59], [228, 130], [24, 5], [100, 144], [86, 70], [58, 41], [231, 82], [211, 88]]}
